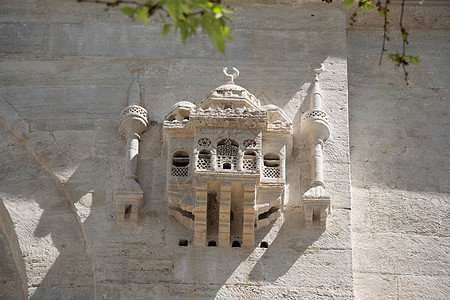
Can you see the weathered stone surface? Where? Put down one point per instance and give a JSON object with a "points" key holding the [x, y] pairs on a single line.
{"points": [[65, 78], [399, 162]]}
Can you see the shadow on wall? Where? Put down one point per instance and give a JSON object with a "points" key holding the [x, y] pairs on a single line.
{"points": [[49, 235], [12, 275], [220, 271]]}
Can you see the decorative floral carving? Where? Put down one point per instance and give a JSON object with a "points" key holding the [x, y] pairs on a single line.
{"points": [[249, 143], [204, 142]]}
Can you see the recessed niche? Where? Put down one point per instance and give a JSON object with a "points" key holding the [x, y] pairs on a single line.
{"points": [[316, 215], [183, 242], [127, 211]]}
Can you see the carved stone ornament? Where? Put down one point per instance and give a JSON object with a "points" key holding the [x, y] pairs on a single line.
{"points": [[314, 128], [129, 197], [226, 164]]}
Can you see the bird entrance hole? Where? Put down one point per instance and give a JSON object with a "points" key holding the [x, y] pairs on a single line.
{"points": [[264, 245], [236, 244], [226, 166], [183, 242], [316, 215], [127, 212], [212, 244]]}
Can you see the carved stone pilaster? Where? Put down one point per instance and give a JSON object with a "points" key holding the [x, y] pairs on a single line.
{"points": [[316, 130], [129, 197]]}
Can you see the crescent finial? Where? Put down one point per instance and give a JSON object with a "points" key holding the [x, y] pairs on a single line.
{"points": [[316, 72]]}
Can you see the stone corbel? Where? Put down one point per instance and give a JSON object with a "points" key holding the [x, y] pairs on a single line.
{"points": [[129, 197], [316, 130]]}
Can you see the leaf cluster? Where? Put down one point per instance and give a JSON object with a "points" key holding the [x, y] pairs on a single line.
{"points": [[399, 59], [184, 17]]}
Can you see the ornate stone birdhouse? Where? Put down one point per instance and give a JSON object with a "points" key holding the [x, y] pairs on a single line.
{"points": [[226, 164]]}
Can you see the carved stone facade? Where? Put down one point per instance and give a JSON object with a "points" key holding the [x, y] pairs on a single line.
{"points": [[227, 164], [66, 192]]}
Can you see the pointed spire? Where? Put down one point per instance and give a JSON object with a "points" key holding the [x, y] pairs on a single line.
{"points": [[316, 93], [134, 95]]}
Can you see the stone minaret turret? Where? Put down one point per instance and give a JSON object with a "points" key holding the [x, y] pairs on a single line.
{"points": [[129, 198], [315, 129]]}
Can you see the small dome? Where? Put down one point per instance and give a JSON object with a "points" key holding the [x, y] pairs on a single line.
{"points": [[186, 104]]}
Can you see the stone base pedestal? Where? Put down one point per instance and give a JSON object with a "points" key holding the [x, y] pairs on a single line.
{"points": [[317, 207], [128, 201]]}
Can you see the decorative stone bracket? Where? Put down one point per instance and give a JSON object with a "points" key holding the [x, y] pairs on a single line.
{"points": [[316, 130], [129, 197]]}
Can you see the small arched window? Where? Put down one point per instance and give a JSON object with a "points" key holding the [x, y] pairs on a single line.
{"points": [[249, 162], [227, 153], [272, 165], [204, 160], [180, 164]]}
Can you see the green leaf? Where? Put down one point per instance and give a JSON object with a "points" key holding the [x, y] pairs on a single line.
{"points": [[225, 31], [349, 3], [127, 10], [414, 60], [142, 15], [367, 5], [166, 29]]}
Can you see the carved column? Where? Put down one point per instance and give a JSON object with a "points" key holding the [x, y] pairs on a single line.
{"points": [[315, 130], [249, 215], [240, 160], [224, 214], [201, 202], [129, 197]]}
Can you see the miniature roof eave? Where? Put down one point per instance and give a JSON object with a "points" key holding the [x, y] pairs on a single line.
{"points": [[281, 113], [208, 101], [180, 105]]}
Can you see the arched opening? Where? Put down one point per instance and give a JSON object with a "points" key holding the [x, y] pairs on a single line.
{"points": [[180, 164], [212, 211], [204, 159], [227, 153], [264, 244], [236, 244], [237, 212], [212, 244], [272, 165]]}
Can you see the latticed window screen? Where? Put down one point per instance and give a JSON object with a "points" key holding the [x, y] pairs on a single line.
{"points": [[180, 164], [249, 162], [204, 160], [227, 153], [272, 166], [180, 171], [271, 172]]}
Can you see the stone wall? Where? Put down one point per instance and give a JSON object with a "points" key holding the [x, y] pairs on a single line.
{"points": [[64, 80], [399, 154]]}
